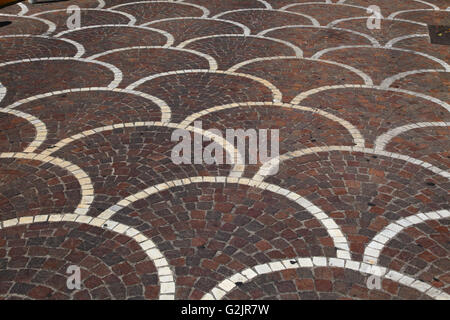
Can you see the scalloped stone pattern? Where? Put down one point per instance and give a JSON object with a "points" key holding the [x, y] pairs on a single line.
{"points": [[87, 180]]}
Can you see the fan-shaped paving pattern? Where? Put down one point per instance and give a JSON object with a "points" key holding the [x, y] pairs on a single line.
{"points": [[421, 251], [298, 129], [298, 75], [22, 25], [313, 39], [98, 39], [124, 161], [325, 283], [195, 91], [231, 50], [363, 192], [432, 83], [324, 13], [141, 62], [210, 231], [429, 17], [70, 113], [88, 17], [259, 20], [374, 112], [430, 144], [219, 6], [34, 259], [30, 187], [389, 29], [28, 47], [383, 63], [87, 117], [191, 28], [387, 7], [23, 79], [15, 133], [147, 11]]}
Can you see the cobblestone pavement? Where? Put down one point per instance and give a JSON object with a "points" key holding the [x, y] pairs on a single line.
{"points": [[359, 208]]}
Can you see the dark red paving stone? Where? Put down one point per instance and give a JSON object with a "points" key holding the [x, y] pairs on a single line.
{"points": [[15, 133], [427, 144], [193, 92], [277, 4], [101, 39], [293, 76], [320, 283], [87, 18], [297, 129], [71, 113], [388, 7], [22, 25], [259, 20], [381, 63], [148, 11], [374, 112], [35, 258], [46, 6], [389, 29], [363, 192], [210, 231], [30, 188], [423, 44], [421, 251], [229, 51], [312, 40], [434, 84], [325, 13], [442, 4], [25, 79], [139, 63], [11, 9], [220, 6], [429, 17], [17, 48], [126, 161], [185, 29]]}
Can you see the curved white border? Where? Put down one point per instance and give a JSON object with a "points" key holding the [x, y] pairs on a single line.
{"points": [[437, 60], [277, 95], [227, 285], [335, 232], [245, 29], [87, 190], [386, 83], [170, 38], [51, 25], [358, 139], [203, 9], [77, 45], [166, 113], [211, 61], [117, 73], [375, 247], [127, 15], [165, 274], [372, 40], [384, 139], [236, 171], [39, 127], [313, 21], [365, 77], [269, 166], [298, 52]]}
